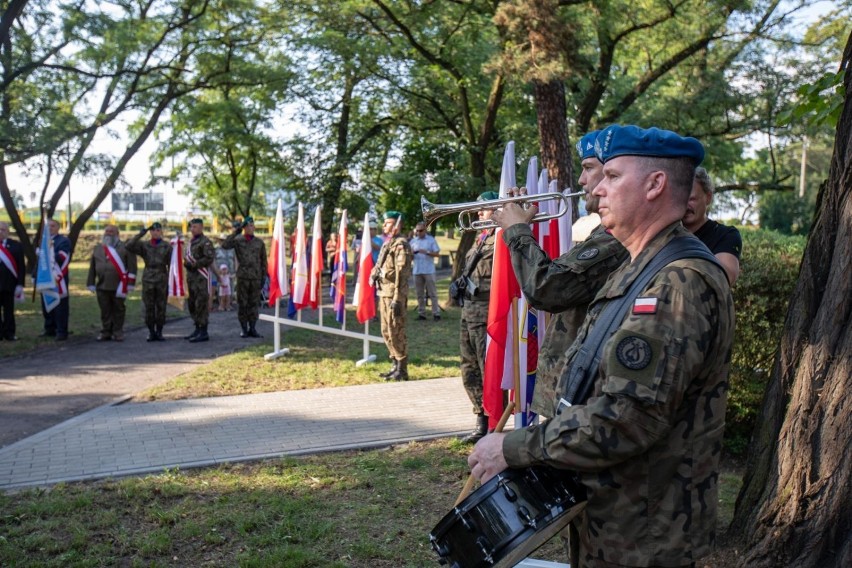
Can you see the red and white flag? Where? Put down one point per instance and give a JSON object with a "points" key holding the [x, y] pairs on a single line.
{"points": [[364, 298], [500, 363], [564, 224], [277, 262], [177, 287], [315, 285], [300, 263]]}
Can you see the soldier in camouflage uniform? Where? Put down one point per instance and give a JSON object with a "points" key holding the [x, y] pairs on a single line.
{"points": [[157, 254], [199, 258], [251, 256], [391, 274], [646, 443], [566, 285], [474, 320]]}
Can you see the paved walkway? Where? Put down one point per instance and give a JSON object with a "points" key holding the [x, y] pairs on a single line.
{"points": [[128, 439]]}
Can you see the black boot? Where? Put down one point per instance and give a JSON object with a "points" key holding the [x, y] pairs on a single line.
{"points": [[152, 333], [194, 334], [244, 332], [394, 367], [252, 332], [401, 373], [201, 336], [160, 333], [479, 432]]}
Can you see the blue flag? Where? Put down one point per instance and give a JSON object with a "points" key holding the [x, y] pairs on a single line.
{"points": [[45, 275]]}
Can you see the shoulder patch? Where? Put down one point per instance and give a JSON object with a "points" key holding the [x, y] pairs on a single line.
{"points": [[633, 352], [645, 306], [587, 254]]}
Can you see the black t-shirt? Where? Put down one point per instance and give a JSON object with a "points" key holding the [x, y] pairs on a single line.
{"points": [[720, 238]]}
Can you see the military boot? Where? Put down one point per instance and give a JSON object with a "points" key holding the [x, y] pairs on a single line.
{"points": [[252, 332], [194, 334], [394, 367], [201, 336], [152, 334], [401, 373], [160, 333], [479, 432], [244, 332]]}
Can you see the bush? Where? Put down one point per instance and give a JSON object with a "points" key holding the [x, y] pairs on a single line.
{"points": [[770, 267]]}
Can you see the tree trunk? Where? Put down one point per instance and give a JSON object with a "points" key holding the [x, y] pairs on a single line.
{"points": [[553, 133], [793, 509]]}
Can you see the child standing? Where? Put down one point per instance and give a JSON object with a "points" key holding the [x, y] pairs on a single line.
{"points": [[224, 288]]}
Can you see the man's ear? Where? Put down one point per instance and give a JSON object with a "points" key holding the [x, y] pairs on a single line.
{"points": [[655, 183]]}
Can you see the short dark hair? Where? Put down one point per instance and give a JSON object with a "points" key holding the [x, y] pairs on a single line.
{"points": [[680, 171]]}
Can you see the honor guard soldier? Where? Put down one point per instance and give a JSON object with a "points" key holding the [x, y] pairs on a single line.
{"points": [[251, 256], [112, 275], [198, 259], [157, 254], [475, 290], [390, 275], [642, 425]]}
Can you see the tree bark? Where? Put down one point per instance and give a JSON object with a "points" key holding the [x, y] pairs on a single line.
{"points": [[552, 112], [793, 509]]}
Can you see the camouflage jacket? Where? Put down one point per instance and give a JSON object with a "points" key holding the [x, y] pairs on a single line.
{"points": [[156, 256], [201, 250], [102, 273], [564, 286], [647, 442], [393, 269], [251, 255], [476, 306]]}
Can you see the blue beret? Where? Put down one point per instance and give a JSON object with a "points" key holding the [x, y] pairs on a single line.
{"points": [[488, 196], [392, 215], [617, 140], [586, 145]]}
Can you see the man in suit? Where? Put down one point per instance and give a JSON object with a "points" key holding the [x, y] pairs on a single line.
{"points": [[11, 281], [56, 320]]}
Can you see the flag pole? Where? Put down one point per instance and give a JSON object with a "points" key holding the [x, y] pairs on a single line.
{"points": [[468, 486], [516, 370]]}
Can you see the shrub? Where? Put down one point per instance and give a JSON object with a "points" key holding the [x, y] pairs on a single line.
{"points": [[770, 267]]}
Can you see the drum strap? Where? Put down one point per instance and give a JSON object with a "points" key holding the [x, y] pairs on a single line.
{"points": [[584, 367]]}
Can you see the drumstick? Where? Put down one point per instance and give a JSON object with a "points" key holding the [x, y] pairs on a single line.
{"points": [[468, 486]]}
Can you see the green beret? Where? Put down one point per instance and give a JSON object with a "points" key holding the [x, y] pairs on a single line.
{"points": [[248, 220], [156, 225], [617, 140], [488, 196], [196, 221], [393, 215]]}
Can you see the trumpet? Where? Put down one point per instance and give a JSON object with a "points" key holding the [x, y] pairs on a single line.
{"points": [[432, 211]]}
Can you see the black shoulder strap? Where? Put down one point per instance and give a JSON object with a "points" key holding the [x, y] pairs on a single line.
{"points": [[584, 367]]}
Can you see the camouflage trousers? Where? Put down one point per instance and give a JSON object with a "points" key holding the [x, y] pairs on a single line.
{"points": [[199, 295], [393, 329], [248, 298], [472, 336], [112, 313], [155, 297]]}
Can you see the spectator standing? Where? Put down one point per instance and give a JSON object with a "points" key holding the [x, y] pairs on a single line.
{"points": [[11, 281], [224, 288], [425, 249], [112, 276]]}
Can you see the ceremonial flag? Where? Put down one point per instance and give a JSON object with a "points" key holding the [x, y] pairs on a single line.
{"points": [[364, 298], [500, 363], [565, 225], [277, 262], [338, 275], [316, 261], [177, 288], [300, 264], [45, 281]]}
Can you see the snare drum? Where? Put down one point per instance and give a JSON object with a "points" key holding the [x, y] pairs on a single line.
{"points": [[506, 519]]}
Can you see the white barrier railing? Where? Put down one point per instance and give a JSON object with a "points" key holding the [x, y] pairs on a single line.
{"points": [[278, 321]]}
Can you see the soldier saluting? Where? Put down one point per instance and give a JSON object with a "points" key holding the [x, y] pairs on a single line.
{"points": [[251, 256], [157, 254], [198, 259]]}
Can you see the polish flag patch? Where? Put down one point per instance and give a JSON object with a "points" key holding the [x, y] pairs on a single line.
{"points": [[645, 306]]}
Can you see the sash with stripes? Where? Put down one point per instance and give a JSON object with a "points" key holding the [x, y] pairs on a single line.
{"points": [[126, 279], [203, 271], [9, 260], [60, 271]]}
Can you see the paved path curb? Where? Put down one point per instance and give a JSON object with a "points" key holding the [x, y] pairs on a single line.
{"points": [[130, 439]]}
